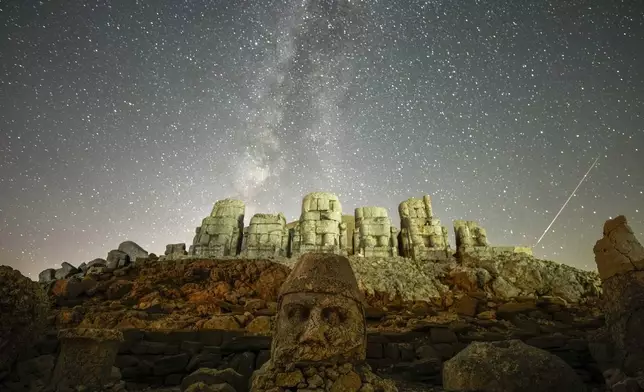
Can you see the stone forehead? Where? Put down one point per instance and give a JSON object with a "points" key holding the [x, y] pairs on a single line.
{"points": [[322, 273]]}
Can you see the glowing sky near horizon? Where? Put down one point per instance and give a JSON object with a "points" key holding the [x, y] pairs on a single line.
{"points": [[126, 120]]}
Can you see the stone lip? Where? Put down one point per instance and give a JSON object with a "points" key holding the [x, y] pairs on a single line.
{"points": [[101, 335]]}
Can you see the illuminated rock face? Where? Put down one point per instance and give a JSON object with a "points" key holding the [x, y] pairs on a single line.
{"points": [[421, 235], [471, 239], [220, 234], [266, 236], [374, 236], [320, 228]]}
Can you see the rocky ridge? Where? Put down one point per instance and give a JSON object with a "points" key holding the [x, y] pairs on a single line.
{"points": [[235, 294]]}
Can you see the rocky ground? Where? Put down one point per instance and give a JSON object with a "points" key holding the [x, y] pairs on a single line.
{"points": [[240, 294]]}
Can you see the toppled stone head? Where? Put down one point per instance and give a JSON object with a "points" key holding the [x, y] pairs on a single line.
{"points": [[320, 315]]}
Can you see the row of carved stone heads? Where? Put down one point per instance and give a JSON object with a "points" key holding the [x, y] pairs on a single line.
{"points": [[323, 228]]}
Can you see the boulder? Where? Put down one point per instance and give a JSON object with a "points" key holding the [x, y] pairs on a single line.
{"points": [[65, 271], [24, 309], [133, 250], [95, 263], [117, 259], [47, 275], [508, 366]]}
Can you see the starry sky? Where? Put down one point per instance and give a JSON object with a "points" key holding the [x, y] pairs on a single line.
{"points": [[127, 119]]}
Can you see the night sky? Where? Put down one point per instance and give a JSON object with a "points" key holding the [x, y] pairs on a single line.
{"points": [[128, 119]]}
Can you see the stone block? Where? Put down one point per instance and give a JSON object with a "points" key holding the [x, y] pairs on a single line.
{"points": [[210, 360], [170, 364], [442, 335], [246, 343]]}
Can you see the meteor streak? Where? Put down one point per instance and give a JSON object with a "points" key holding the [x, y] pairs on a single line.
{"points": [[566, 203]]}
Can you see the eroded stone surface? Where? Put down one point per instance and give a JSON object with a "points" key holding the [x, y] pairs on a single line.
{"points": [[221, 233], [620, 260], [374, 235], [266, 236], [86, 358], [618, 251], [421, 235], [320, 332], [510, 366], [320, 313], [320, 228]]}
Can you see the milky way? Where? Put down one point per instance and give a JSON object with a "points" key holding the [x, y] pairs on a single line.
{"points": [[129, 119]]}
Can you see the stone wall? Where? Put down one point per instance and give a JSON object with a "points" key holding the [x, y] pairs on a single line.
{"points": [[156, 358]]}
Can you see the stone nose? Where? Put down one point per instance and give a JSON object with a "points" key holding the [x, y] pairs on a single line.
{"points": [[313, 329]]}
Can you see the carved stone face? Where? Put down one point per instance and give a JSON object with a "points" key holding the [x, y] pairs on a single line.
{"points": [[320, 328]]}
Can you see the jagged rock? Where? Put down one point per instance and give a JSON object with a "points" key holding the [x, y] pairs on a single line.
{"points": [[65, 271], [47, 275], [133, 250], [508, 366], [72, 288], [620, 260], [515, 274], [117, 259], [24, 308]]}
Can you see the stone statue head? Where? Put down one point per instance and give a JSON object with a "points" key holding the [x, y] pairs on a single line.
{"points": [[320, 317]]}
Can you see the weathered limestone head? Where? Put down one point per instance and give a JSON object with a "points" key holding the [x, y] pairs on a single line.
{"points": [[229, 208], [320, 317], [321, 201], [416, 208]]}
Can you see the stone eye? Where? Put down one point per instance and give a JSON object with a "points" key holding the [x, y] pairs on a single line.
{"points": [[333, 315], [298, 313]]}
